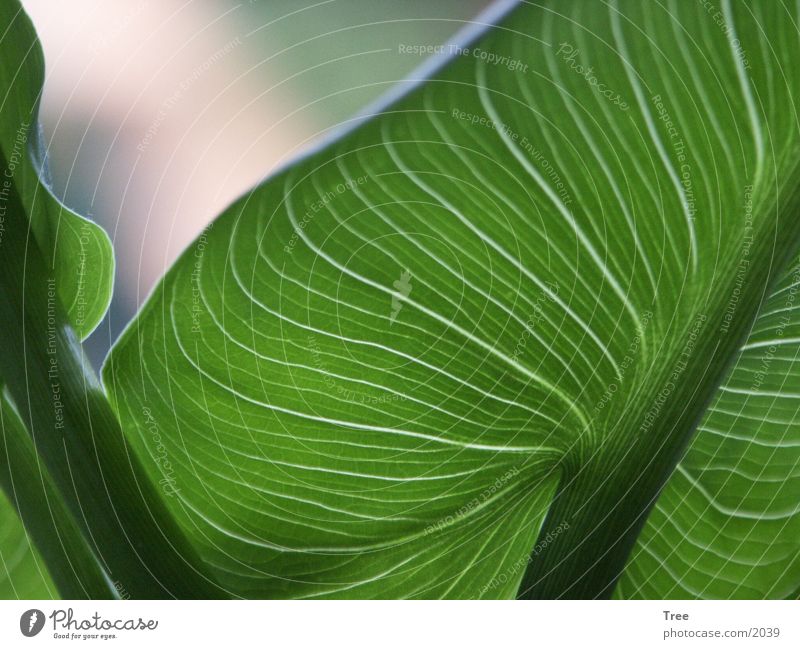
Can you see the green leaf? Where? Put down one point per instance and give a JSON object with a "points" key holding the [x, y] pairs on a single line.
{"points": [[78, 250], [728, 523], [506, 295]]}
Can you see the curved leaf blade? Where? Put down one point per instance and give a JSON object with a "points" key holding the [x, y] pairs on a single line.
{"points": [[367, 342], [78, 251]]}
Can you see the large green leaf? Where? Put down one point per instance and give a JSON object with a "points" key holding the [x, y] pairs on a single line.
{"points": [[728, 522], [506, 295], [78, 251]]}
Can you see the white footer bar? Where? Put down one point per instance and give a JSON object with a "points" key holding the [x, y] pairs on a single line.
{"points": [[390, 625]]}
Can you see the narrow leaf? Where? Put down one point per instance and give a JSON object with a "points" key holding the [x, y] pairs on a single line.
{"points": [[78, 251], [66, 557]]}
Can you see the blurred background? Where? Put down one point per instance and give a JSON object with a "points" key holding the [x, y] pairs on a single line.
{"points": [[158, 113]]}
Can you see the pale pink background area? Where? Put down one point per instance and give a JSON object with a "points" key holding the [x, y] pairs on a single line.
{"points": [[157, 113]]}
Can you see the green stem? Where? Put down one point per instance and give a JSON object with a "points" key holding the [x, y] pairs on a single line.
{"points": [[77, 435], [71, 563], [606, 499]]}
